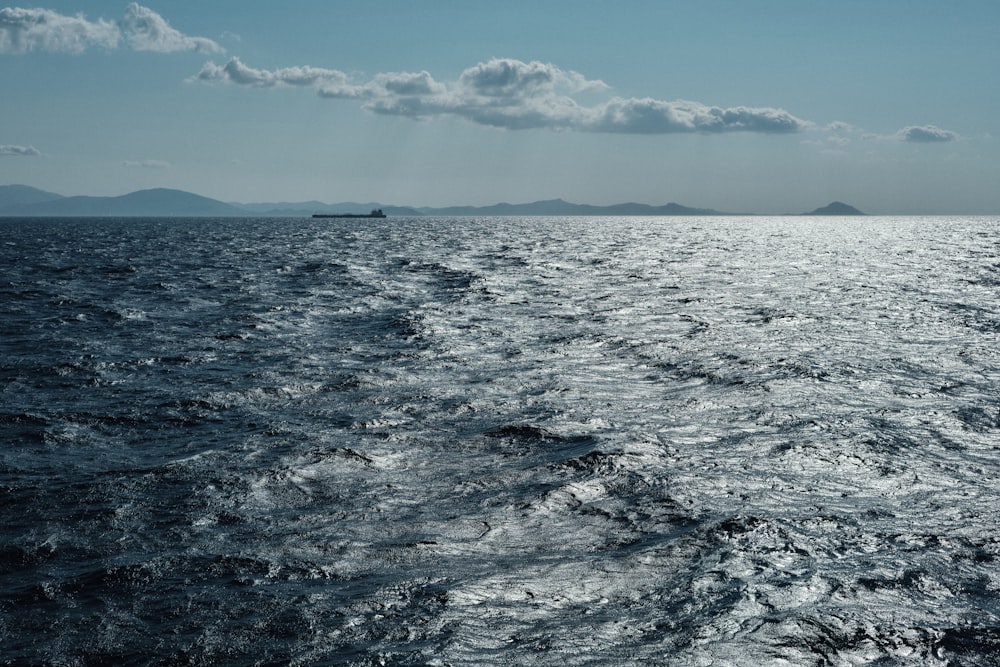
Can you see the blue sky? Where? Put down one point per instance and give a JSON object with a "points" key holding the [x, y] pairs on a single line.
{"points": [[763, 106]]}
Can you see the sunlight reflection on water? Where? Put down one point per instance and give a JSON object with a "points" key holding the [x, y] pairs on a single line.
{"points": [[458, 441]]}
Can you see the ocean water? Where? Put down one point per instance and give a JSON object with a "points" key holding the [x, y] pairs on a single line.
{"points": [[549, 441]]}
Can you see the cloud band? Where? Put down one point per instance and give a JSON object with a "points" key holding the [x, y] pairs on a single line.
{"points": [[142, 29], [18, 151], [511, 94]]}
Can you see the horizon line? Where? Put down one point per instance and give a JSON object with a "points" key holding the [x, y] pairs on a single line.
{"points": [[421, 209]]}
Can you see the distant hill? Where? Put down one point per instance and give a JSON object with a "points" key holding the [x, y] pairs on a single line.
{"points": [[560, 207], [18, 195], [836, 208], [158, 202]]}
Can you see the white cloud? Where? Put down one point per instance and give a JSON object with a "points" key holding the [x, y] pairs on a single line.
{"points": [[409, 84], [18, 151], [649, 116], [146, 164], [926, 134], [512, 94], [236, 72], [511, 79], [145, 30], [25, 30], [839, 126]]}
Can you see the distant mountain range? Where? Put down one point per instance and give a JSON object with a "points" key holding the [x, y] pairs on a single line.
{"points": [[20, 200], [25, 201]]}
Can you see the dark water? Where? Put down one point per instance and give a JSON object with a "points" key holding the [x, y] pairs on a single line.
{"points": [[606, 441]]}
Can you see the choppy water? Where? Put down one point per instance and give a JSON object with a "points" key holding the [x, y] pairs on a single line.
{"points": [[679, 441]]}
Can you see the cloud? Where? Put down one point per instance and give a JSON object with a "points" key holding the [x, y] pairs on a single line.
{"points": [[146, 164], [515, 95], [409, 84], [649, 116], [18, 151], [24, 30], [145, 30], [512, 79], [142, 29], [926, 134], [839, 126], [236, 72]]}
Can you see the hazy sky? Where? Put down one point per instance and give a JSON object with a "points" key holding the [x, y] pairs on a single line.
{"points": [[740, 105]]}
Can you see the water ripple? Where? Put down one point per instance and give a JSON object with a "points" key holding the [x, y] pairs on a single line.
{"points": [[470, 441]]}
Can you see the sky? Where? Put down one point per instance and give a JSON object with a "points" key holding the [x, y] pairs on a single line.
{"points": [[756, 106]]}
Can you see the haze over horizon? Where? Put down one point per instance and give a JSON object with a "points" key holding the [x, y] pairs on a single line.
{"points": [[767, 106]]}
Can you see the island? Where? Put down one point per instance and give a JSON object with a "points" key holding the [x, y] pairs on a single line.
{"points": [[375, 213], [836, 208]]}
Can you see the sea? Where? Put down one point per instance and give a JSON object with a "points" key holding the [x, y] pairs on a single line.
{"points": [[443, 441]]}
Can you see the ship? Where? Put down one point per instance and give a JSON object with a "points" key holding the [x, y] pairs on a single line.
{"points": [[375, 213]]}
